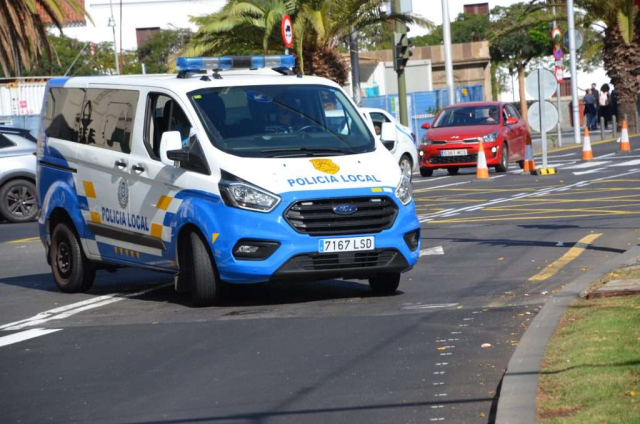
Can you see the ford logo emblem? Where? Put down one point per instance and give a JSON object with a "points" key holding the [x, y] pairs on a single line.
{"points": [[345, 209]]}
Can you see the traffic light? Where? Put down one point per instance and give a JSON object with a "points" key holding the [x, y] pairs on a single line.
{"points": [[401, 53]]}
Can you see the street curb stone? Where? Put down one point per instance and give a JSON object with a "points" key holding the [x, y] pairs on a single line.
{"points": [[517, 402]]}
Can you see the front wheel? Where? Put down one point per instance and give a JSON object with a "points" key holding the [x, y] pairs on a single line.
{"points": [[385, 283], [504, 159], [406, 166], [426, 172], [206, 287], [72, 271]]}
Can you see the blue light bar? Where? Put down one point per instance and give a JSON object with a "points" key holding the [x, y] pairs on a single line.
{"points": [[223, 63]]}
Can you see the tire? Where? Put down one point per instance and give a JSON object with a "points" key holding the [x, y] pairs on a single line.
{"points": [[426, 172], [206, 288], [385, 283], [72, 271], [453, 170], [504, 159], [521, 164], [18, 201], [406, 166]]}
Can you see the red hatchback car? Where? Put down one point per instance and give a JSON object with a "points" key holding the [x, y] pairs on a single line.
{"points": [[452, 141]]}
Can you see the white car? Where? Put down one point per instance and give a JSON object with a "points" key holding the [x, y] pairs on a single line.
{"points": [[17, 175], [403, 147]]}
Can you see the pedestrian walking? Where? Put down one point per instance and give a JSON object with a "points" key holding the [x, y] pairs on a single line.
{"points": [[604, 104], [590, 110]]}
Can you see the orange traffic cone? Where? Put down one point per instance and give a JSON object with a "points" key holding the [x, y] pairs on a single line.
{"points": [[625, 146], [587, 153], [529, 162], [482, 171]]}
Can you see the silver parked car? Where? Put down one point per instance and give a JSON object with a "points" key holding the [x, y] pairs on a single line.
{"points": [[17, 175]]}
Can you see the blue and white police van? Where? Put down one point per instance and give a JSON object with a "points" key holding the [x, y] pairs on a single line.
{"points": [[234, 171]]}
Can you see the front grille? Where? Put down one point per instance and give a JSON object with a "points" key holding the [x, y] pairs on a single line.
{"points": [[344, 260], [317, 218], [454, 159]]}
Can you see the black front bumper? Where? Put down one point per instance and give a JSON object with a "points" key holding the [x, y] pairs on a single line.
{"points": [[356, 265]]}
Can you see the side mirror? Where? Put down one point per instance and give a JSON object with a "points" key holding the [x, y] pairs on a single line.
{"points": [[389, 132], [170, 142], [512, 121], [425, 126]]}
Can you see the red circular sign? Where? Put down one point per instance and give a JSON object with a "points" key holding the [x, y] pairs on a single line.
{"points": [[287, 31]]}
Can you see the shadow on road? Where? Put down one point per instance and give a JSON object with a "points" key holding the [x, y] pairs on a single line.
{"points": [[521, 243]]}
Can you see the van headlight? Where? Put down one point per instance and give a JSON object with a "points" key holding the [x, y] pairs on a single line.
{"points": [[242, 195], [403, 191], [489, 138]]}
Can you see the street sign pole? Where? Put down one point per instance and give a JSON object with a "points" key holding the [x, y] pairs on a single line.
{"points": [[574, 73], [448, 64], [543, 130], [558, 95], [401, 28]]}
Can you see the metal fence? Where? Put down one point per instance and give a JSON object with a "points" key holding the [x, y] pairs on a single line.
{"points": [[29, 122], [423, 106]]}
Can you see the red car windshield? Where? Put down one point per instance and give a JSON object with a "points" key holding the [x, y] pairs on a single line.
{"points": [[468, 116]]}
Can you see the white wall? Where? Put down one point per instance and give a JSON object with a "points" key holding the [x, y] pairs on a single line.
{"points": [[138, 14]]}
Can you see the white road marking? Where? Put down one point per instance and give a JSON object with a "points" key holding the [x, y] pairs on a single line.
{"points": [[593, 171], [588, 165], [634, 162], [442, 305], [437, 250], [442, 186], [497, 176], [74, 308], [428, 180], [605, 156], [26, 335], [477, 208]]}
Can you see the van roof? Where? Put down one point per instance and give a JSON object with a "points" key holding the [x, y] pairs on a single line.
{"points": [[195, 81]]}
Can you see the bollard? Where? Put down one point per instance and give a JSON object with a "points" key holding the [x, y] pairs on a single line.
{"points": [[615, 125], [637, 122], [602, 128]]}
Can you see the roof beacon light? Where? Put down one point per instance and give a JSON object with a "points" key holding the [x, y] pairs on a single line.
{"points": [[224, 63]]}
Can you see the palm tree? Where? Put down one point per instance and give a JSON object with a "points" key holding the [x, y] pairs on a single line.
{"points": [[621, 48], [320, 27], [23, 33]]}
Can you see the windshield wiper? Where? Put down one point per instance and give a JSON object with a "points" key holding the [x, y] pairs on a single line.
{"points": [[306, 151]]}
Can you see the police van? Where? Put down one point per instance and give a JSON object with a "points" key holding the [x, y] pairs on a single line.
{"points": [[234, 171]]}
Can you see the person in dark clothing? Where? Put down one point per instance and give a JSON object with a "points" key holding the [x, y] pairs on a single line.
{"points": [[590, 111], [604, 105], [595, 93], [614, 104]]}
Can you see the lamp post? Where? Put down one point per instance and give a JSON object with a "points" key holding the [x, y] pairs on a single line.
{"points": [[448, 65], [112, 24]]}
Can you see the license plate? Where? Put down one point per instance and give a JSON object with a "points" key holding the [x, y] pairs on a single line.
{"points": [[353, 244], [457, 152]]}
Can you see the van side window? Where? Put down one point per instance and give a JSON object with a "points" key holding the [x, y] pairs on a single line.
{"points": [[164, 114], [107, 119], [62, 113]]}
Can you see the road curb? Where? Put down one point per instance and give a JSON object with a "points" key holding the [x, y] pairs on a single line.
{"points": [[517, 402]]}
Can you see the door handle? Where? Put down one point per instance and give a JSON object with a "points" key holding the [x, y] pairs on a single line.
{"points": [[121, 164], [138, 169]]}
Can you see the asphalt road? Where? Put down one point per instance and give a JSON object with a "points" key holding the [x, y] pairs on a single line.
{"points": [[131, 350]]}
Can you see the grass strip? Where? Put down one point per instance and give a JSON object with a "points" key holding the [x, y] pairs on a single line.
{"points": [[591, 369]]}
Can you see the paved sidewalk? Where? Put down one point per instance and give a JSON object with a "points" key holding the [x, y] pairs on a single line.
{"points": [[517, 401]]}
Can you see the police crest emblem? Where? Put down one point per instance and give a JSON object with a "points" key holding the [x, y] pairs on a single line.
{"points": [[325, 165], [123, 193]]}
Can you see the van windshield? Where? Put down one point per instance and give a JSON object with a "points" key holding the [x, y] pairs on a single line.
{"points": [[281, 121]]}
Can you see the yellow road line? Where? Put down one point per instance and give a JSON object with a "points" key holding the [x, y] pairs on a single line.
{"points": [[25, 240], [572, 254]]}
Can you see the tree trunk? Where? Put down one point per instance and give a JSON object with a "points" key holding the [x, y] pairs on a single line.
{"points": [[622, 63], [326, 62], [523, 98]]}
